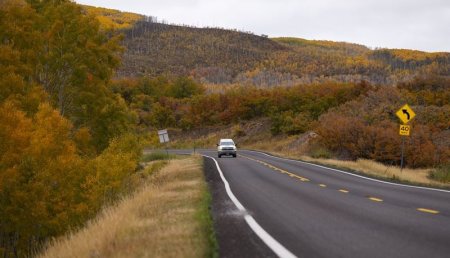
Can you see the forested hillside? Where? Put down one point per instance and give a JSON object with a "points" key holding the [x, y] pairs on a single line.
{"points": [[218, 56], [214, 55]]}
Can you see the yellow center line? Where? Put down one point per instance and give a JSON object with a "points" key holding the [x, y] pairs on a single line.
{"points": [[299, 177], [322, 185], [428, 210], [278, 169], [375, 199], [343, 191]]}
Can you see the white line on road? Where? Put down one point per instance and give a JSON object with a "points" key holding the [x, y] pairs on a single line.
{"points": [[273, 244]]}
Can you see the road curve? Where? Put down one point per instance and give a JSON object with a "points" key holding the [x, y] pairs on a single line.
{"points": [[313, 211]]}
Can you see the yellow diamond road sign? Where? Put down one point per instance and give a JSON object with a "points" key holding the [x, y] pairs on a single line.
{"points": [[405, 114]]}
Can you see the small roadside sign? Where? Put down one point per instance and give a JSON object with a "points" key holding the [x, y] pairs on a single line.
{"points": [[405, 130], [163, 136], [405, 114]]}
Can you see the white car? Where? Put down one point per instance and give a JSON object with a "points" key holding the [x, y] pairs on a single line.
{"points": [[226, 147]]}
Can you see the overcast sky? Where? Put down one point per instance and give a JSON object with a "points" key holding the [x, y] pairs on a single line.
{"points": [[412, 24]]}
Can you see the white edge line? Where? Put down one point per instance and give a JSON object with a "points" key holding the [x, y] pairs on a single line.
{"points": [[273, 244], [351, 174]]}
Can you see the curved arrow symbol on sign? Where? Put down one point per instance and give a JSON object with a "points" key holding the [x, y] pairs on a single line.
{"points": [[406, 113]]}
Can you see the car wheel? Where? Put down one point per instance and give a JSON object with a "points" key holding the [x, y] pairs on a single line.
{"points": [[220, 156], [235, 155]]}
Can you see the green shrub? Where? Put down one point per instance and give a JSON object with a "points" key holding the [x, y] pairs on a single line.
{"points": [[320, 153], [290, 123], [157, 156], [238, 131], [442, 173]]}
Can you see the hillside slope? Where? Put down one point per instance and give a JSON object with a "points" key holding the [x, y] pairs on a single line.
{"points": [[222, 56], [219, 56], [216, 54]]}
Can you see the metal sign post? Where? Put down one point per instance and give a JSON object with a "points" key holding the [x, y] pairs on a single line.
{"points": [[164, 138], [405, 114], [195, 137], [403, 148]]}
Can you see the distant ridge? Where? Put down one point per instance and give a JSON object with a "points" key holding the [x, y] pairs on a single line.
{"points": [[221, 56]]}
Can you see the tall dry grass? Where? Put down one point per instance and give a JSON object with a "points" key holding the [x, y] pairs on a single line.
{"points": [[283, 147], [376, 169], [164, 219]]}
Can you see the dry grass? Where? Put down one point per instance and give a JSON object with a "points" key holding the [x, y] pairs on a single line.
{"points": [[364, 166], [377, 169], [164, 219], [291, 147]]}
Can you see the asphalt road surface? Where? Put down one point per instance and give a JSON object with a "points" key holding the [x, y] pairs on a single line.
{"points": [[306, 210]]}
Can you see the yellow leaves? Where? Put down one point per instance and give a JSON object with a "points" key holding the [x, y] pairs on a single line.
{"points": [[113, 19], [51, 54], [407, 54], [50, 136], [45, 186], [15, 133], [83, 140], [38, 165], [109, 170]]}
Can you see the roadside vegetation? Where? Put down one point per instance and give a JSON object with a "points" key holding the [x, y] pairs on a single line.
{"points": [[441, 173], [158, 155], [68, 145], [168, 217], [380, 171], [351, 121]]}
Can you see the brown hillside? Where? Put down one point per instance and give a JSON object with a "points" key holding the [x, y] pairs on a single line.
{"points": [[219, 56]]}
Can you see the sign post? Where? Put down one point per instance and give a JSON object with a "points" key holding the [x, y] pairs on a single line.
{"points": [[164, 138], [405, 114], [194, 141]]}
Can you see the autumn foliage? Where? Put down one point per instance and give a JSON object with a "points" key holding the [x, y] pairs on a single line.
{"points": [[353, 120], [218, 56], [368, 127], [113, 19], [67, 130], [65, 142]]}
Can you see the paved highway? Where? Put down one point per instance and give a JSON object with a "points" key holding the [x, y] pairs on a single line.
{"points": [[305, 210]]}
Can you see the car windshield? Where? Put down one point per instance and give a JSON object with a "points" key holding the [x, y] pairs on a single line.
{"points": [[227, 143]]}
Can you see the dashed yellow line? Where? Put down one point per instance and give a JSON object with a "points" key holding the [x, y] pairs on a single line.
{"points": [[375, 199], [303, 179], [428, 210], [282, 171]]}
